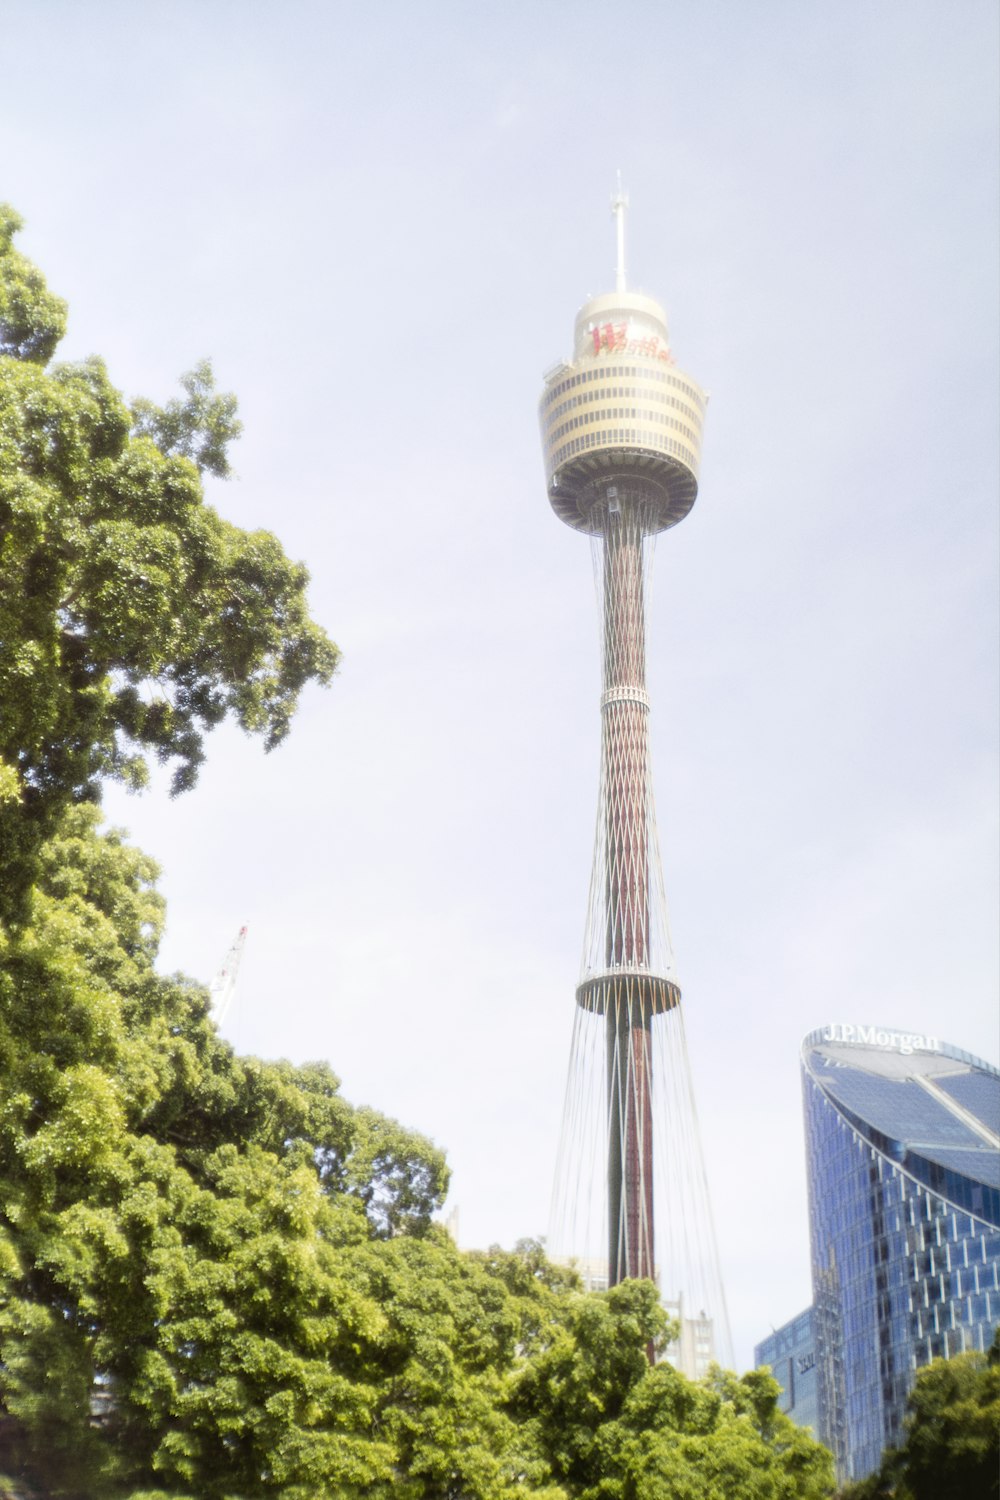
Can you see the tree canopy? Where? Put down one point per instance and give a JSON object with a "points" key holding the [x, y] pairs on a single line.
{"points": [[952, 1435], [133, 618], [182, 1231], [219, 1279]]}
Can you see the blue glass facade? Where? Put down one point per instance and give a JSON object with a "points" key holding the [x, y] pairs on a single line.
{"points": [[791, 1354], [903, 1159]]}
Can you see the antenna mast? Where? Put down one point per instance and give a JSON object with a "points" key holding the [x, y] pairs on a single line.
{"points": [[619, 203]]}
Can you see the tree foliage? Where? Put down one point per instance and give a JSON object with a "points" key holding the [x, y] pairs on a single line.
{"points": [[184, 1230], [133, 618], [32, 319], [199, 428], [219, 1279], [952, 1435]]}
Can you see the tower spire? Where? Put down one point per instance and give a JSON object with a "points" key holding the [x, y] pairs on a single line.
{"points": [[619, 203]]}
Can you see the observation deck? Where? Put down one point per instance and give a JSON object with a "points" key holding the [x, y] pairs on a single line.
{"points": [[621, 412]]}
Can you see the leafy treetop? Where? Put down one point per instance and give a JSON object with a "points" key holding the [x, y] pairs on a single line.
{"points": [[32, 319], [952, 1435], [133, 618]]}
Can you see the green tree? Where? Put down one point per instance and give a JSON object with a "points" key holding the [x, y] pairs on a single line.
{"points": [[240, 1270], [199, 428], [204, 1238], [663, 1437], [952, 1435], [585, 1363], [604, 1425], [133, 618]]}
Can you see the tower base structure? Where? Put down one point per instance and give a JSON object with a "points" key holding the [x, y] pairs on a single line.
{"points": [[626, 1170]]}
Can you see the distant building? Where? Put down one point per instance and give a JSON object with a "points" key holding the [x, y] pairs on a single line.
{"points": [[791, 1353], [451, 1225], [903, 1158], [592, 1271], [693, 1351]]}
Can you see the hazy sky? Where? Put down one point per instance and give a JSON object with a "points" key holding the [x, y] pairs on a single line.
{"points": [[379, 220]]}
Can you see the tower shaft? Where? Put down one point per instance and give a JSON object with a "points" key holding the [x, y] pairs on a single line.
{"points": [[624, 736], [630, 1145], [626, 806]]}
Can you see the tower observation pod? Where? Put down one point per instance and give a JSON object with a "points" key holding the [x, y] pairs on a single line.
{"points": [[621, 433]]}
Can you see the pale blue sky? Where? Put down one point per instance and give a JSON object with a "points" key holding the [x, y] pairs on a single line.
{"points": [[379, 220]]}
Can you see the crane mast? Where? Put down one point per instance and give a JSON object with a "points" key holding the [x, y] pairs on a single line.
{"points": [[224, 984]]}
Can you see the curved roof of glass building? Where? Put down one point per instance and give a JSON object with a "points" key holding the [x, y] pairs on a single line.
{"points": [[932, 1108]]}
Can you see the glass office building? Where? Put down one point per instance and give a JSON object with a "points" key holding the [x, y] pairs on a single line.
{"points": [[790, 1351], [903, 1158]]}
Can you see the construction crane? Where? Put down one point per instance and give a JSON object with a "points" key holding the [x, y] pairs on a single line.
{"points": [[222, 986]]}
